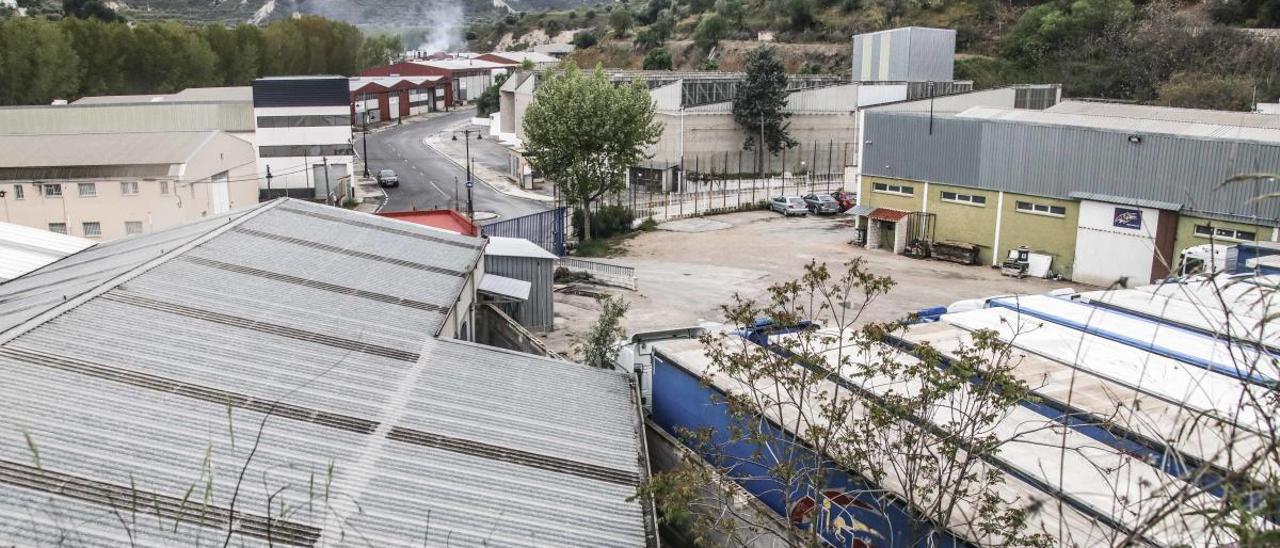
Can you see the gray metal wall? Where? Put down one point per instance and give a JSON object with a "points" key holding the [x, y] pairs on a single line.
{"points": [[233, 117], [914, 54], [1054, 161], [538, 312]]}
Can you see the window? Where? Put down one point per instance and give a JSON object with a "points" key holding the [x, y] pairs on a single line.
{"points": [[320, 120], [91, 229], [129, 188], [53, 190], [18, 193], [132, 227], [967, 199], [298, 151], [88, 190], [60, 228], [1210, 231], [893, 189], [164, 187], [1041, 209]]}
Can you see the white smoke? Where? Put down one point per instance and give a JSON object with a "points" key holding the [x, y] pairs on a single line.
{"points": [[435, 25], [446, 31]]}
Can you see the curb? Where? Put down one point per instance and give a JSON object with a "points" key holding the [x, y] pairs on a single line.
{"points": [[477, 178]]}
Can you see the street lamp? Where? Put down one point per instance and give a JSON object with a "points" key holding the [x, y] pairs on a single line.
{"points": [[471, 212]]}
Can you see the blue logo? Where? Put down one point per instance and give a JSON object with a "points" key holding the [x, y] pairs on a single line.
{"points": [[1127, 218], [470, 184]]}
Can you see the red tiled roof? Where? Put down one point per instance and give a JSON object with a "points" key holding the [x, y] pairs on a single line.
{"points": [[886, 214]]}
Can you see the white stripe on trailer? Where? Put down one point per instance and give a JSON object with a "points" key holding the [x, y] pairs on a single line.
{"points": [[1173, 425], [1163, 377], [1248, 295], [1191, 347], [1210, 318]]}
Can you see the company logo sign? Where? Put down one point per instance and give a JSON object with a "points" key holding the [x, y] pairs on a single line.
{"points": [[1127, 218]]}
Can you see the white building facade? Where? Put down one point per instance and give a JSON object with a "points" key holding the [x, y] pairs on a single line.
{"points": [[303, 130]]}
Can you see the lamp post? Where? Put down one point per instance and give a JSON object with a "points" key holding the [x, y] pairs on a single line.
{"points": [[471, 212]]}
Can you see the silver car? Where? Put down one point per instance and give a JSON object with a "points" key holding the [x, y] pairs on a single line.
{"points": [[789, 205], [822, 204]]}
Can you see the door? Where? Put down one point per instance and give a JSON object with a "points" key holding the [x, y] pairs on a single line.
{"points": [[220, 193], [887, 234], [393, 106]]}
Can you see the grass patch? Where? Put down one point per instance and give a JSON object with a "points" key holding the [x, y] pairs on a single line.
{"points": [[604, 247]]}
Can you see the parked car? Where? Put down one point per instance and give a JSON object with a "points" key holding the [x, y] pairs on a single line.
{"points": [[821, 204], [388, 178], [845, 199], [789, 205]]}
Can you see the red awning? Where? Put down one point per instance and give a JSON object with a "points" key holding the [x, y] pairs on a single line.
{"points": [[886, 214]]}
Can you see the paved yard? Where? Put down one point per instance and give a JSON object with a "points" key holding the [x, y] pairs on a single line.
{"points": [[687, 269]]}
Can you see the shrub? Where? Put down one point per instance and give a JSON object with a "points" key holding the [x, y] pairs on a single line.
{"points": [[584, 39], [606, 221], [657, 59]]}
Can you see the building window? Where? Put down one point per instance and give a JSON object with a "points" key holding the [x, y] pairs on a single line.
{"points": [[1041, 209], [18, 193], [893, 189], [53, 190], [1210, 231], [129, 188], [164, 187], [319, 120], [88, 190], [60, 228], [298, 151], [967, 199], [91, 229], [132, 227]]}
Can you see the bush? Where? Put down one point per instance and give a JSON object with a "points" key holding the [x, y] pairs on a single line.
{"points": [[606, 221], [585, 39], [657, 59]]}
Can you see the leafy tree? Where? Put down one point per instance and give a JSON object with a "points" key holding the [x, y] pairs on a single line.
{"points": [[663, 26], [168, 57], [646, 39], [90, 9], [584, 39], [380, 50], [553, 27], [1048, 29], [490, 101], [800, 14], [731, 10], [760, 105], [657, 59], [584, 133], [710, 30], [599, 346], [98, 45], [620, 20], [37, 62], [1197, 90]]}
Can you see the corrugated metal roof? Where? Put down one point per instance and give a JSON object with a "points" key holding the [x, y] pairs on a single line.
{"points": [[99, 118], [101, 149], [23, 249], [516, 247], [463, 64], [189, 95], [290, 346], [1206, 129], [1170, 114], [1154, 204], [521, 56], [503, 286]]}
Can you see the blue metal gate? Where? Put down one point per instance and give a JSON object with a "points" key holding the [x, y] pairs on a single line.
{"points": [[545, 229]]}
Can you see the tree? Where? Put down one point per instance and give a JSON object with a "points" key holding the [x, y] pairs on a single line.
{"points": [[37, 63], [599, 346], [489, 101], [849, 402], [584, 39], [584, 133], [646, 39], [800, 14], [657, 59], [760, 105], [380, 50], [620, 20], [731, 10], [97, 46], [709, 31]]}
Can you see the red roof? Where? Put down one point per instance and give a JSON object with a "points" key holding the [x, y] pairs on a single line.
{"points": [[886, 214], [446, 219]]}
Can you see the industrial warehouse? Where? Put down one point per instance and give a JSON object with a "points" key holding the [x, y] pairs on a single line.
{"points": [[1102, 192]]}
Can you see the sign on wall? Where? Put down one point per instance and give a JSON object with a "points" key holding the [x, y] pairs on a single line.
{"points": [[1127, 218]]}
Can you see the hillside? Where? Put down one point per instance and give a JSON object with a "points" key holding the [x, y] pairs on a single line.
{"points": [[1210, 54]]}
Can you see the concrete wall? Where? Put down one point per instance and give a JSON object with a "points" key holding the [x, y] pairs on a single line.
{"points": [[162, 202], [708, 136], [1043, 234]]}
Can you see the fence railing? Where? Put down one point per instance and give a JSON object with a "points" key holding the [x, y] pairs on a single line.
{"points": [[710, 197], [612, 274]]}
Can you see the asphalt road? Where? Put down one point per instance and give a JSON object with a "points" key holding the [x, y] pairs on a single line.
{"points": [[427, 177]]}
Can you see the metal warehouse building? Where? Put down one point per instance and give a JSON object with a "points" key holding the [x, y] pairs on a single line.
{"points": [[1107, 192]]}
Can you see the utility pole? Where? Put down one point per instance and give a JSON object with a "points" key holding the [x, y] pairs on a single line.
{"points": [[455, 193], [268, 182], [365, 138], [471, 213], [328, 194]]}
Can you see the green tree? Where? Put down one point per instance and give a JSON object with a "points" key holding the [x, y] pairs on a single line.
{"points": [[657, 59], [620, 20], [380, 50], [37, 62], [584, 39], [599, 346], [1208, 91], [169, 57], [800, 14], [98, 46], [710, 30], [646, 39], [584, 133], [731, 10], [1048, 29], [760, 105], [490, 101]]}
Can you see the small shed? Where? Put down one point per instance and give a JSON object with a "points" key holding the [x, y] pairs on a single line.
{"points": [[521, 259]]}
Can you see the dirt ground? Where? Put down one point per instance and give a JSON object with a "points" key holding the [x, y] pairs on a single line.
{"points": [[688, 268]]}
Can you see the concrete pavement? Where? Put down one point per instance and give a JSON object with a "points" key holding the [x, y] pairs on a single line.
{"points": [[427, 177]]}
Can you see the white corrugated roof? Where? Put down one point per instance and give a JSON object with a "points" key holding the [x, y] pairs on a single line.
{"points": [[516, 247], [24, 249], [149, 365], [1206, 130], [1169, 114], [462, 64], [101, 149], [189, 95], [505, 287], [521, 56]]}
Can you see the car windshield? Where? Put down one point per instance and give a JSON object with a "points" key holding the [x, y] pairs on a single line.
{"points": [[387, 173]]}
